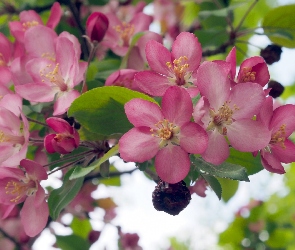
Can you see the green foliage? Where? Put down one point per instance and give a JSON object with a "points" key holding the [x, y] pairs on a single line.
{"points": [[81, 227], [214, 184], [61, 197], [279, 25], [101, 110], [229, 188], [71, 242]]}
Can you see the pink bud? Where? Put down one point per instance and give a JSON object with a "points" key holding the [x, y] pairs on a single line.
{"points": [[96, 26]]}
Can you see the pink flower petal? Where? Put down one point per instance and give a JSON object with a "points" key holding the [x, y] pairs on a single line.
{"points": [[247, 135], [48, 143], [177, 106], [12, 102], [286, 154], [231, 58], [187, 44], [213, 83], [34, 169], [217, 150], [36, 92], [64, 101], [193, 138], [172, 164], [271, 164], [59, 125], [266, 112], [157, 56], [246, 100], [138, 145], [33, 218], [55, 15], [141, 22], [152, 83], [143, 113]]}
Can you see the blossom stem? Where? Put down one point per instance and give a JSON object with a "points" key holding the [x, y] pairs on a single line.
{"points": [[65, 166], [35, 121]]}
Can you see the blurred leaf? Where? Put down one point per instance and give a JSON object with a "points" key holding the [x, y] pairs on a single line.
{"points": [[224, 12], [245, 159], [213, 37], [61, 197], [104, 169], [214, 184], [106, 203], [81, 227], [101, 110], [224, 170], [71, 242], [279, 25], [190, 13], [280, 238]]}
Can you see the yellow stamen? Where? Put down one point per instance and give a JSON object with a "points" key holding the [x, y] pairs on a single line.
{"points": [[279, 137], [126, 31], [179, 69], [248, 75]]}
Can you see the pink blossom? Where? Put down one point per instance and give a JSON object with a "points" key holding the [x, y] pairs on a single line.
{"points": [[6, 51], [167, 133], [54, 73], [14, 131], [119, 34], [30, 18], [199, 187], [66, 138], [178, 67], [17, 186], [228, 113], [281, 123]]}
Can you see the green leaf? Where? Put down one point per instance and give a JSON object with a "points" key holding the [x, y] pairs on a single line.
{"points": [[61, 197], [71, 242], [247, 160], [81, 227], [229, 188], [214, 184], [101, 110], [279, 25], [224, 170], [82, 171], [104, 169]]}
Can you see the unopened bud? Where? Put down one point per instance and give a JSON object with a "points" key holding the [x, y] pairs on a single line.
{"points": [[96, 26], [272, 53], [276, 88], [171, 198]]}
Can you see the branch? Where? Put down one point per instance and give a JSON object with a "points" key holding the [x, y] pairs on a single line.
{"points": [[112, 174]]}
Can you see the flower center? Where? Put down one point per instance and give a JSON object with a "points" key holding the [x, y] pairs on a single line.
{"points": [[279, 137], [179, 69], [61, 137], [19, 189], [54, 76], [29, 24], [13, 139], [126, 31], [166, 132], [2, 60], [221, 118], [49, 56], [248, 75]]}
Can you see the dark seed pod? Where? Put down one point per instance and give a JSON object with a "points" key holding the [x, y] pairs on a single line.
{"points": [[171, 198], [276, 88], [272, 53]]}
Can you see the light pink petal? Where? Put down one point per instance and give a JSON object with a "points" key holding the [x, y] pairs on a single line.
{"points": [[59, 125], [33, 218], [213, 83], [187, 44], [82, 67], [14, 160], [193, 138], [34, 169], [9, 121], [39, 196], [271, 164], [7, 150], [247, 135], [6, 76], [6, 48], [231, 58], [217, 150], [287, 154], [177, 106], [172, 164], [141, 22], [8, 210], [40, 40], [75, 42], [29, 16], [138, 145], [284, 115], [246, 100], [143, 113], [157, 56], [19, 72], [152, 83], [266, 112], [55, 15], [135, 60], [36, 92], [12, 102], [192, 91], [64, 101], [200, 110]]}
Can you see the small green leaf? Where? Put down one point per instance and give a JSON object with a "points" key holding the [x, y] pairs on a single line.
{"points": [[247, 160], [101, 110], [70, 242], [279, 25], [61, 197], [81, 227], [214, 184], [224, 170], [229, 188]]}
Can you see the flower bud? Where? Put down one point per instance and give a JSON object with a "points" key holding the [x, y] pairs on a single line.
{"points": [[93, 236], [276, 88], [271, 54], [171, 198], [96, 26]]}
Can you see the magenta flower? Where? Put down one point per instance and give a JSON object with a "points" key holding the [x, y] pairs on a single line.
{"points": [[66, 138], [281, 123], [17, 186], [167, 133], [96, 26], [178, 67], [228, 113]]}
